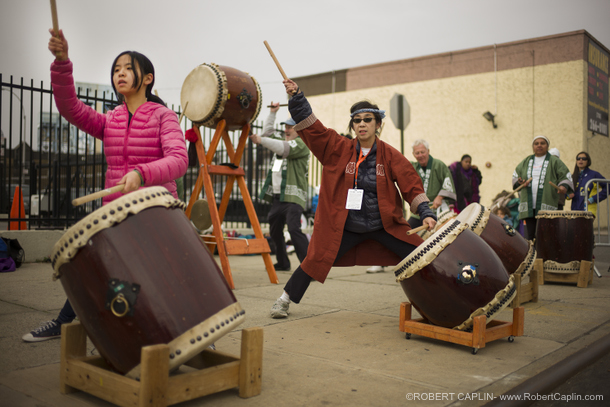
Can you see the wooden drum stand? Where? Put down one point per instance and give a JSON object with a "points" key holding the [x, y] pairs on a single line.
{"points": [[482, 332], [259, 245], [213, 372]]}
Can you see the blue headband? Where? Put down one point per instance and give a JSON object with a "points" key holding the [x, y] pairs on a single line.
{"points": [[380, 112]]}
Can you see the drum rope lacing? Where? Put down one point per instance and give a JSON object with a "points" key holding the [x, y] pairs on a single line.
{"points": [[222, 93], [565, 215], [500, 301], [439, 238]]}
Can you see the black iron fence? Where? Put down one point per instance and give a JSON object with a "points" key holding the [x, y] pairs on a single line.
{"points": [[51, 162]]}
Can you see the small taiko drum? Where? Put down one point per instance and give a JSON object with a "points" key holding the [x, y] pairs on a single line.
{"points": [[214, 92], [441, 219], [137, 274], [517, 253], [455, 276], [564, 239]]}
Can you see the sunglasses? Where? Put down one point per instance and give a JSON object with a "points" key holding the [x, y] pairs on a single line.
{"points": [[581, 158], [366, 120]]}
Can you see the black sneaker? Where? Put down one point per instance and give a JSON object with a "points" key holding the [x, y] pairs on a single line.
{"points": [[48, 330], [279, 268]]}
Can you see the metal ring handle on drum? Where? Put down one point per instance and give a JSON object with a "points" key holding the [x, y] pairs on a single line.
{"points": [[120, 297]]}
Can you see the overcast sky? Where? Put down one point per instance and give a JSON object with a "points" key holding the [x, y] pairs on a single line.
{"points": [[307, 36]]}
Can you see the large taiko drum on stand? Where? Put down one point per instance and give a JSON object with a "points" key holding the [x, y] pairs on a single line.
{"points": [[564, 239], [137, 274], [214, 92], [517, 253], [455, 276]]}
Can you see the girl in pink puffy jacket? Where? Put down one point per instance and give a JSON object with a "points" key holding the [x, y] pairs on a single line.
{"points": [[143, 142]]}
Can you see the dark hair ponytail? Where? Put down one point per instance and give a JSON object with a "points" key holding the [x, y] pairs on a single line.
{"points": [[140, 65]]}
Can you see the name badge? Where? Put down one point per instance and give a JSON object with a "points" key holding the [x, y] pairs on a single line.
{"points": [[277, 165], [354, 199]]}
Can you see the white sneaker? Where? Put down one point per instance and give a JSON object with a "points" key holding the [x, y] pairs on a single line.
{"points": [[280, 309], [375, 269]]}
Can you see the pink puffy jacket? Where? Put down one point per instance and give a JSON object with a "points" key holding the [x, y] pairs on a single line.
{"points": [[152, 143]]}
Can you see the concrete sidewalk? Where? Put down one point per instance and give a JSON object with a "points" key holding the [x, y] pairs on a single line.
{"points": [[340, 347]]}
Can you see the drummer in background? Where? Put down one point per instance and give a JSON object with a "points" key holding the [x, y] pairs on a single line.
{"points": [[582, 174], [543, 168], [359, 218], [436, 178], [143, 142], [285, 187]]}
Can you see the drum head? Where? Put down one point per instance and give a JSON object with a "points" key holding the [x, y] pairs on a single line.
{"points": [[476, 216], [204, 89]]}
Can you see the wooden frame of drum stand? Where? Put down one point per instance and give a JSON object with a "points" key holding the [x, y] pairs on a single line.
{"points": [[214, 372], [259, 245], [527, 292], [582, 279], [482, 332]]}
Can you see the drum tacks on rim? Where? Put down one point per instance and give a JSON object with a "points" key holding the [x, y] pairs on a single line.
{"points": [[137, 274], [216, 92]]}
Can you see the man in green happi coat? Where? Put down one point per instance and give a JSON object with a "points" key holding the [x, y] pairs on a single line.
{"points": [[436, 178], [535, 173]]}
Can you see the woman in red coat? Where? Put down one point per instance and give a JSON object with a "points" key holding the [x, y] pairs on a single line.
{"points": [[359, 218]]}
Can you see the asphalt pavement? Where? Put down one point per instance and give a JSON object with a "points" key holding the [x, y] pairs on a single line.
{"points": [[341, 346]]}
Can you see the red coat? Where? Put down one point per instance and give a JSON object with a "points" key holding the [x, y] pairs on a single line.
{"points": [[338, 156]]}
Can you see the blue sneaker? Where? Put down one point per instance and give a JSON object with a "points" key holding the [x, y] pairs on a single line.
{"points": [[48, 330]]}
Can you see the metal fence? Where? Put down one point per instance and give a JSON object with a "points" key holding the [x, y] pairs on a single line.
{"points": [[602, 218], [52, 162]]}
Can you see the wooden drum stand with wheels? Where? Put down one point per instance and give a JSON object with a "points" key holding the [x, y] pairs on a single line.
{"points": [[213, 372], [482, 332], [234, 172]]}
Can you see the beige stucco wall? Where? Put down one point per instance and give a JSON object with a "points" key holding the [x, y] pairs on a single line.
{"points": [[548, 99]]}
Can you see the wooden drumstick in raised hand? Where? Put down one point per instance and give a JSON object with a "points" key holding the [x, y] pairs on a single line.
{"points": [[55, 21], [275, 60], [417, 229], [98, 194]]}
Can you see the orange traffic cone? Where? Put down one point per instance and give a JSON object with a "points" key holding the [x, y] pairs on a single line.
{"points": [[16, 213]]}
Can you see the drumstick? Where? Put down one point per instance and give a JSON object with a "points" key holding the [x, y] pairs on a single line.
{"points": [[422, 227], [275, 60], [98, 194], [280, 105], [55, 22], [554, 186], [183, 110], [520, 187]]}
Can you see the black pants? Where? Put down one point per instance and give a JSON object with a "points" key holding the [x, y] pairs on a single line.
{"points": [[530, 228], [67, 314], [299, 281], [287, 213]]}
